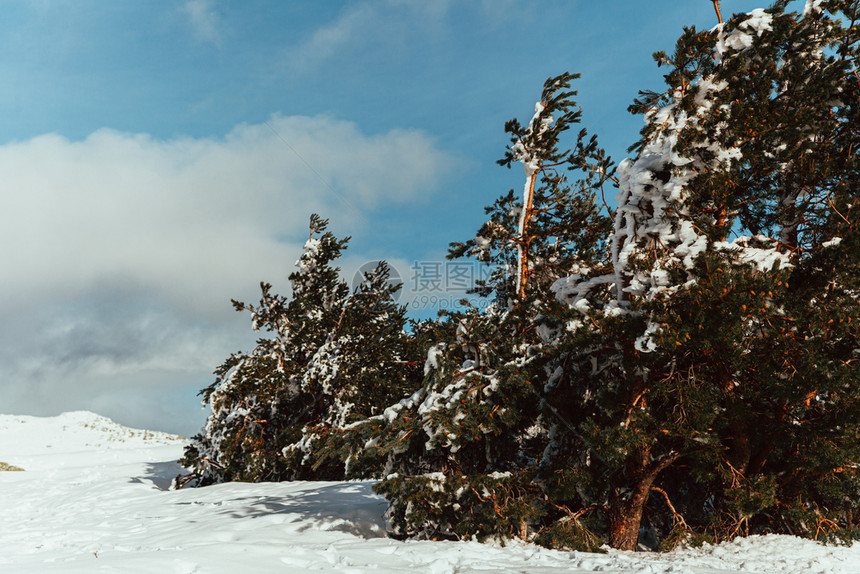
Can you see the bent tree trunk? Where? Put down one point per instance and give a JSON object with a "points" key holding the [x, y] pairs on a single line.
{"points": [[628, 502]]}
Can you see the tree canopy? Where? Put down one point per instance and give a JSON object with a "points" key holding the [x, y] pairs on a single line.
{"points": [[683, 367]]}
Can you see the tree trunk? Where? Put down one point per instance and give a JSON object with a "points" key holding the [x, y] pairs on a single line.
{"points": [[789, 218], [625, 517], [523, 246], [628, 504]]}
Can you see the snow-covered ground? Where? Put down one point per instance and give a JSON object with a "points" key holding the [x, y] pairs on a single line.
{"points": [[93, 497]]}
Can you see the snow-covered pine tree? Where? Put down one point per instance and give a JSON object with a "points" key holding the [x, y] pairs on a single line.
{"points": [[711, 359], [723, 372], [368, 362], [459, 456], [257, 401], [330, 358]]}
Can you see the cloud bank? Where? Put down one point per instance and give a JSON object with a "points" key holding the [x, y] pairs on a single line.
{"points": [[120, 252]]}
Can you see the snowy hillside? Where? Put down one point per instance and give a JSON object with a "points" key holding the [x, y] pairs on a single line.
{"points": [[92, 497]]}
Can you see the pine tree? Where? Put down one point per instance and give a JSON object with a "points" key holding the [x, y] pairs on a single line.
{"points": [[459, 456], [687, 368], [722, 374], [367, 363], [331, 358], [667, 360]]}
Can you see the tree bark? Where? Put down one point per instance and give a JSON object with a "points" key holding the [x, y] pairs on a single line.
{"points": [[627, 505], [789, 218], [625, 517], [528, 202]]}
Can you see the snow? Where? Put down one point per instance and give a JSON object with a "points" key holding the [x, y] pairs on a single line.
{"points": [[93, 498], [812, 7], [758, 22], [762, 258], [308, 261], [432, 362]]}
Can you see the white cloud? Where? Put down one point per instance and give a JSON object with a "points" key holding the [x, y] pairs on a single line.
{"points": [[120, 252], [365, 23], [186, 214], [328, 40], [204, 20]]}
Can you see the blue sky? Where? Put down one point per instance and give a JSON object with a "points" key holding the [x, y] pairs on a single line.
{"points": [[161, 157]]}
